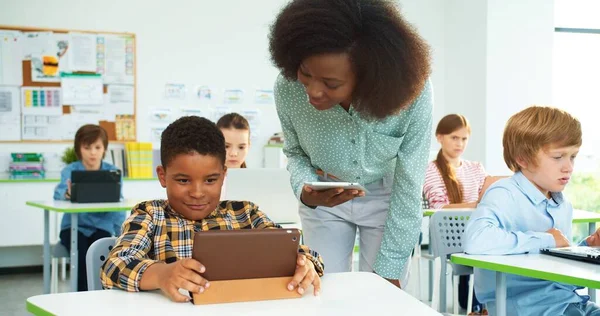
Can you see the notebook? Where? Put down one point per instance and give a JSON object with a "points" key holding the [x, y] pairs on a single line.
{"points": [[581, 253], [247, 253]]}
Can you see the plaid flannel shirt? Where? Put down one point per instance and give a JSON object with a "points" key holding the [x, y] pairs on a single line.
{"points": [[156, 233]]}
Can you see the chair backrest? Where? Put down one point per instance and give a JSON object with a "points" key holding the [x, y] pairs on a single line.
{"points": [[95, 257], [446, 230]]}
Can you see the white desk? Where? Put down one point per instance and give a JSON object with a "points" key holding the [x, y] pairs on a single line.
{"points": [[74, 209], [579, 216], [534, 266], [352, 293]]}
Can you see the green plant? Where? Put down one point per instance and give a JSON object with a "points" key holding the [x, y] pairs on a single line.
{"points": [[69, 156]]}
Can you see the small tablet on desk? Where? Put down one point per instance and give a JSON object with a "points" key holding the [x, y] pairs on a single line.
{"points": [[95, 186], [580, 253], [247, 253], [320, 186], [246, 264]]}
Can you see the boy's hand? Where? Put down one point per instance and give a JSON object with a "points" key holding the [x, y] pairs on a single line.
{"points": [[559, 238], [305, 275], [68, 193], [593, 240], [182, 274]]}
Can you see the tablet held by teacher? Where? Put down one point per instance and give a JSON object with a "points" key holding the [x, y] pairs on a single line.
{"points": [[355, 104]]}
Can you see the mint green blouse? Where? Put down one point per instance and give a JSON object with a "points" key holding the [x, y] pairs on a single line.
{"points": [[354, 149]]}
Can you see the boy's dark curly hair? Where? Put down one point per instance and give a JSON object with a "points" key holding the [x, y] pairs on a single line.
{"points": [[390, 60], [191, 134]]}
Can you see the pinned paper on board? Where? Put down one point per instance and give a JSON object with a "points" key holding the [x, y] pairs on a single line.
{"points": [[10, 113], [11, 56], [125, 127], [163, 116], [78, 117], [263, 96], [120, 99], [175, 91], [219, 111], [41, 100], [191, 112], [41, 109], [204, 93], [47, 66], [82, 89], [233, 96], [155, 134], [37, 44], [115, 54], [253, 117], [82, 48]]}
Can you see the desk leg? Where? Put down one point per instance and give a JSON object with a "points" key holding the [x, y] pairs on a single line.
{"points": [[443, 308], [46, 252], [74, 252], [500, 294], [592, 292], [430, 272]]}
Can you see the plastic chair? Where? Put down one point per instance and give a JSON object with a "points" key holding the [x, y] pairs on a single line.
{"points": [[447, 228], [417, 255], [94, 259], [59, 251]]}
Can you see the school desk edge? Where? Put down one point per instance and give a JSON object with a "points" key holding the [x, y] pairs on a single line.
{"points": [[505, 268]]}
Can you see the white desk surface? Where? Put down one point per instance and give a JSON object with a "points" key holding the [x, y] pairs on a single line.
{"points": [[352, 293], [69, 207], [537, 266]]}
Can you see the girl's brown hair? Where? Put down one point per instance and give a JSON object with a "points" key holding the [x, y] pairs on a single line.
{"points": [[234, 121], [447, 125]]}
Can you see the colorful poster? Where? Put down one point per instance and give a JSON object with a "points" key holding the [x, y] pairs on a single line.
{"points": [[233, 96], [175, 91]]}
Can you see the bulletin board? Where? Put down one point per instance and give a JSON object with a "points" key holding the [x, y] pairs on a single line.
{"points": [[52, 81]]}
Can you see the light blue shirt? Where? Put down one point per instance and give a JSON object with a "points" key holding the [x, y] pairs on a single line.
{"points": [[88, 223], [512, 218], [354, 149]]}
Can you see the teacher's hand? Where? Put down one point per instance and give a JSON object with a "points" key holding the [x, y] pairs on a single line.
{"points": [[329, 198]]}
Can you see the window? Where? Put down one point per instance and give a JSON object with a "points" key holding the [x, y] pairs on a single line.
{"points": [[576, 89]]}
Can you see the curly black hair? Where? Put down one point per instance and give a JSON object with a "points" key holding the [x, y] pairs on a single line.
{"points": [[191, 134], [390, 60]]}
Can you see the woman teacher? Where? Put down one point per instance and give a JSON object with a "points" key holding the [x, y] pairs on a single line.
{"points": [[355, 105]]}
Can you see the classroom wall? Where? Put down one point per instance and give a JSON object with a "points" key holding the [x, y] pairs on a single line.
{"points": [[190, 42], [222, 44], [519, 64], [465, 68], [498, 57], [483, 66]]}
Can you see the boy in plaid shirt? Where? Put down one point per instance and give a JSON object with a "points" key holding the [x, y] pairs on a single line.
{"points": [[155, 249]]}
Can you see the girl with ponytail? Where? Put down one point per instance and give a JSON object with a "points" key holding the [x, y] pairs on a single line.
{"points": [[452, 182]]}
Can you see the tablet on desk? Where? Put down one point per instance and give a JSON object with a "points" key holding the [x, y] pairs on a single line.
{"points": [[246, 264], [320, 186], [247, 253]]}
